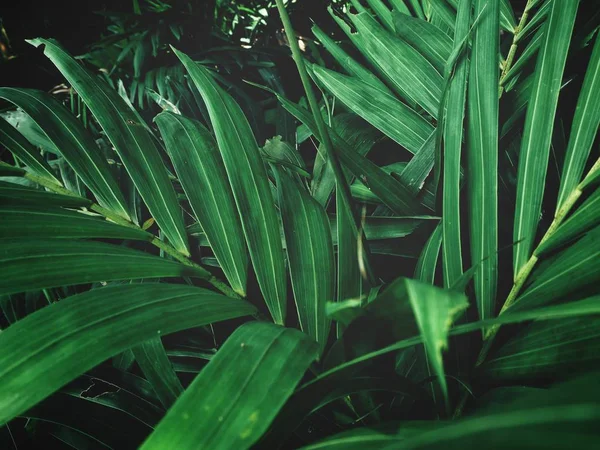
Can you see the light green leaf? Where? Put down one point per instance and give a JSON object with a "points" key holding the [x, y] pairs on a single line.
{"points": [[429, 40], [453, 137], [33, 264], [531, 50], [234, 399], [156, 367], [201, 172], [383, 13], [310, 255], [42, 222], [482, 153], [135, 146], [380, 109], [584, 128], [47, 349], [74, 143], [20, 147], [250, 186], [539, 123]]}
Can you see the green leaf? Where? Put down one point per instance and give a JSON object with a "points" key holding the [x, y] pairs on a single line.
{"points": [[531, 50], [380, 109], [584, 128], [350, 65], [403, 67], [44, 351], [20, 147], [250, 186], [37, 264], [539, 123], [429, 40], [17, 195], [310, 255], [383, 13], [585, 218], [74, 143], [156, 367], [570, 271], [482, 154], [135, 146], [396, 196], [453, 137], [234, 399], [547, 349], [202, 174], [427, 263], [41, 222]]}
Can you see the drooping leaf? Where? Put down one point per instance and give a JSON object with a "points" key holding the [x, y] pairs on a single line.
{"points": [[41, 222], [482, 153], [584, 128], [135, 146], [156, 367], [539, 123], [380, 109], [202, 174], [453, 137], [310, 255], [17, 195], [427, 263], [20, 147], [74, 143], [67, 338], [231, 403], [36, 264], [250, 186]]}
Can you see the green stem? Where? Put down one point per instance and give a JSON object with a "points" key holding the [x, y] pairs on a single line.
{"points": [[524, 273], [171, 251], [321, 126], [513, 48]]}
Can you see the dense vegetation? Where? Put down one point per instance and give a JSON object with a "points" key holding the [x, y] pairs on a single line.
{"points": [[394, 245]]}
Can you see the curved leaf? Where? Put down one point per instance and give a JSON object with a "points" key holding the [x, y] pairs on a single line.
{"points": [[17, 195], [234, 399], [52, 346]]}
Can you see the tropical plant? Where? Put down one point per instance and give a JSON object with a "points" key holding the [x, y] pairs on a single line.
{"points": [[145, 266]]}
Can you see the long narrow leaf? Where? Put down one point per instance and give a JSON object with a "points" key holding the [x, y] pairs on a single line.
{"points": [[250, 186], [135, 146], [535, 147], [482, 154], [202, 174]]}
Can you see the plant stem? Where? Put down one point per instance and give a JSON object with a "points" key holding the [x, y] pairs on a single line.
{"points": [[342, 186], [524, 273], [513, 48], [171, 251]]}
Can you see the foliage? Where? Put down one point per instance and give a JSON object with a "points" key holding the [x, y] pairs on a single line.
{"points": [[434, 210]]}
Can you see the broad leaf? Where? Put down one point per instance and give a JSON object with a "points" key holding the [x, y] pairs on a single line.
{"points": [[234, 399], [52, 346], [250, 186]]}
